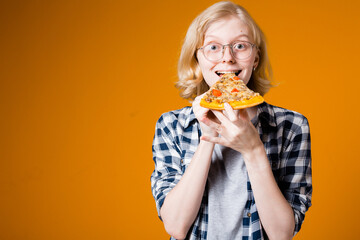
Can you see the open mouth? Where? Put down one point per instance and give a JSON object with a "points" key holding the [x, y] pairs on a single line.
{"points": [[221, 73]]}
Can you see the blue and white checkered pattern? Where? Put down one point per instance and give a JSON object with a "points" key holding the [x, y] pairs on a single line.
{"points": [[286, 138]]}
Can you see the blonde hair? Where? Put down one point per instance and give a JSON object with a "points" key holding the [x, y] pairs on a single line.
{"points": [[191, 82]]}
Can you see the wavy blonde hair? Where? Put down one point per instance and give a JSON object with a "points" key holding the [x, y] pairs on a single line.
{"points": [[191, 82]]}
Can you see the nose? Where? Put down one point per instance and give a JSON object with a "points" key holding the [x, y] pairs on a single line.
{"points": [[227, 54]]}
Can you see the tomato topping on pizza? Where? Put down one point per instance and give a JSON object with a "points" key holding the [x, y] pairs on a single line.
{"points": [[216, 93], [230, 89]]}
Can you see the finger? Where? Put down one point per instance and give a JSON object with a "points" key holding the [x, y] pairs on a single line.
{"points": [[198, 99], [231, 114], [216, 140], [200, 112], [197, 102], [212, 117], [210, 123], [199, 109], [221, 117]]}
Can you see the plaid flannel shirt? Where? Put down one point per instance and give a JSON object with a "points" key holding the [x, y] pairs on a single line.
{"points": [[286, 138]]}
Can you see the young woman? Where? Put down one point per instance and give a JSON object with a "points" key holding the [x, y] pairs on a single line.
{"points": [[232, 174]]}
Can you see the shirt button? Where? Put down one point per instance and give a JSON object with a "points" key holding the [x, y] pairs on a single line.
{"points": [[249, 214], [182, 161]]}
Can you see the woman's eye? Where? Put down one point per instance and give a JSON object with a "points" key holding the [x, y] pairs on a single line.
{"points": [[213, 47], [239, 46]]}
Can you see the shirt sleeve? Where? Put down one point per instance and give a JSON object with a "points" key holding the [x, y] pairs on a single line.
{"points": [[167, 159], [296, 181]]}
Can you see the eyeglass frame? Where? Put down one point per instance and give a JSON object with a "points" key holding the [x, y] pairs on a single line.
{"points": [[231, 50]]}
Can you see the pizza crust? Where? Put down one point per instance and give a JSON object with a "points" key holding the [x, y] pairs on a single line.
{"points": [[234, 104]]}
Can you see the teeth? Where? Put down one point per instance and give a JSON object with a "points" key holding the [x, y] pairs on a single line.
{"points": [[224, 72]]}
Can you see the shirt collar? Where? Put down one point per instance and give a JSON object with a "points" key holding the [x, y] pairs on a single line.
{"points": [[190, 119], [266, 114]]}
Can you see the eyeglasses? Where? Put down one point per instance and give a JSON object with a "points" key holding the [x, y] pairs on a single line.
{"points": [[215, 51]]}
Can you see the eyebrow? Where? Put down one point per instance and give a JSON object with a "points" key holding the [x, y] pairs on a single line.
{"points": [[236, 37], [240, 35]]}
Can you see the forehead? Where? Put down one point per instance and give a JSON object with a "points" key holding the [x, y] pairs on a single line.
{"points": [[227, 29]]}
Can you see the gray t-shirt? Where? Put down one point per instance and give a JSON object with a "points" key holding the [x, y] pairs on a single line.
{"points": [[227, 182]]}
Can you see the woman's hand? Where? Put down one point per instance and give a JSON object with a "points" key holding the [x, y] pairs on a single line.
{"points": [[235, 129], [204, 115]]}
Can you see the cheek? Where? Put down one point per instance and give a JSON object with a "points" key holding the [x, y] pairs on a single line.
{"points": [[203, 63], [209, 79], [206, 70], [248, 69]]}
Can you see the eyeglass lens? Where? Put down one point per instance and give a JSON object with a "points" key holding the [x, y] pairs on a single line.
{"points": [[215, 51]]}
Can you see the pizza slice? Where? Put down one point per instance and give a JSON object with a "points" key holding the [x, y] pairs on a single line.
{"points": [[232, 90]]}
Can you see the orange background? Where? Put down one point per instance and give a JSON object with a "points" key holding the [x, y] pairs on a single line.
{"points": [[82, 84]]}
